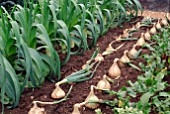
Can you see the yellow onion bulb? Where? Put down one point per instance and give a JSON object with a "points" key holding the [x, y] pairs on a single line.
{"points": [[92, 97], [141, 40], [158, 25], [114, 70], [77, 106], [99, 58], [125, 33], [36, 110], [125, 58], [153, 30], [138, 24], [103, 84], [167, 16], [58, 92], [76, 109], [84, 66], [147, 35], [108, 50], [132, 52], [164, 22], [133, 28], [119, 38]]}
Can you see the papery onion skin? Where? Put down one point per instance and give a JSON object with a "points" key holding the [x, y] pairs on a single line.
{"points": [[36, 110], [132, 52], [108, 50], [84, 66], [153, 30], [58, 93], [158, 25], [114, 71], [125, 33], [147, 35], [125, 58], [138, 25], [103, 84], [99, 58], [164, 22], [92, 97], [119, 38], [76, 109], [168, 17], [141, 40]]}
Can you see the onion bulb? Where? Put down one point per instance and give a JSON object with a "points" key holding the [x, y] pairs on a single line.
{"points": [[164, 22], [76, 109], [158, 25], [104, 84], [132, 52], [125, 58], [168, 17], [153, 30], [58, 92], [92, 97], [108, 50], [133, 28], [114, 70], [36, 110], [141, 40], [119, 38], [138, 25], [84, 66], [147, 35], [125, 33], [99, 58]]}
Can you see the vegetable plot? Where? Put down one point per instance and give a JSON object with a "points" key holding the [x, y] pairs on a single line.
{"points": [[31, 50], [150, 89], [33, 36]]}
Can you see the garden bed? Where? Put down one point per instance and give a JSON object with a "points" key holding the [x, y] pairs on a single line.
{"points": [[81, 90]]}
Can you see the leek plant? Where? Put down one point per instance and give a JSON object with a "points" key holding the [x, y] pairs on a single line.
{"points": [[10, 87], [56, 29], [25, 19]]}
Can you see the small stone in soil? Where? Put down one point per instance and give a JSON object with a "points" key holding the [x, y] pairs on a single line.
{"points": [[45, 96], [32, 97]]}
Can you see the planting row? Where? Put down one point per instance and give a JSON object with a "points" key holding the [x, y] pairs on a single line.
{"points": [[32, 36], [151, 87]]}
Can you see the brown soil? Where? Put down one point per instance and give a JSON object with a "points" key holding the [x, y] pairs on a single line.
{"points": [[81, 90]]}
